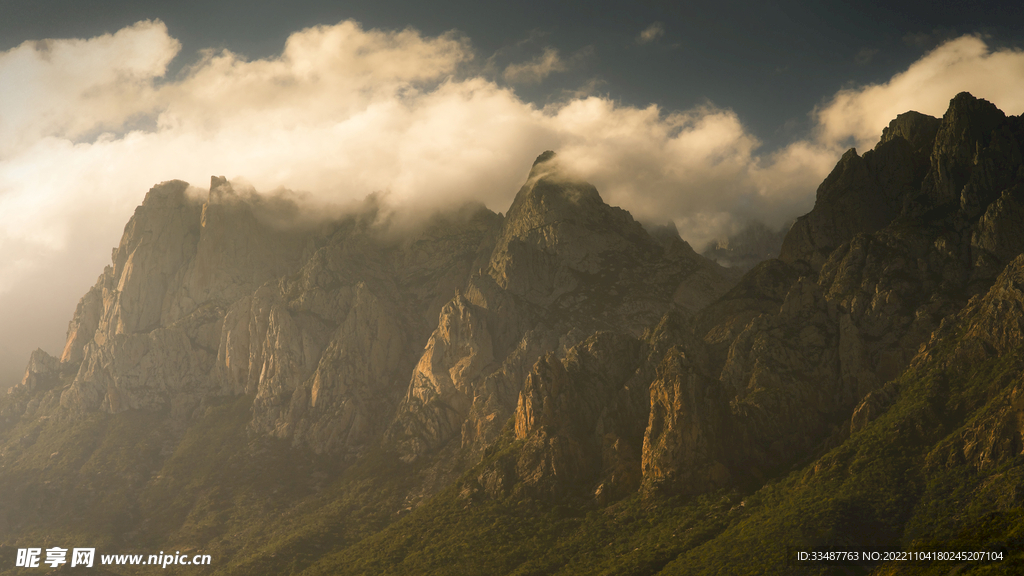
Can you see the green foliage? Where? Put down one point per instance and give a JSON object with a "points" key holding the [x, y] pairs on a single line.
{"points": [[137, 482], [880, 487]]}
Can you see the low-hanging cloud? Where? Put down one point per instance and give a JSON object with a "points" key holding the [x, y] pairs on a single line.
{"points": [[65, 88], [857, 115], [344, 111]]}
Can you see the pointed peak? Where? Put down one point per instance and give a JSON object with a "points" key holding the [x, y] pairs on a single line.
{"points": [[169, 193], [544, 157], [966, 98], [545, 165], [220, 188], [916, 128], [980, 114], [548, 188], [549, 184]]}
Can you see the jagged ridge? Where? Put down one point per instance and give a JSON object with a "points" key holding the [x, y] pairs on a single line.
{"points": [[562, 346]]}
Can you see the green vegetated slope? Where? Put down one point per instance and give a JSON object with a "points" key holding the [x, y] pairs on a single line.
{"points": [[850, 393], [461, 531], [939, 469], [131, 484], [902, 479], [897, 482]]}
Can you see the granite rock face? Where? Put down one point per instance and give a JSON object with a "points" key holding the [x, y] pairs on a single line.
{"points": [[349, 333], [146, 335], [899, 240], [599, 357], [564, 266], [567, 417]]}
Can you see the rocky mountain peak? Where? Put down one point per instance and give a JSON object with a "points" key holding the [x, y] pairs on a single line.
{"points": [[550, 196], [557, 227], [544, 157], [216, 182], [578, 357], [916, 128], [849, 201], [921, 169], [967, 115], [971, 131], [169, 194]]}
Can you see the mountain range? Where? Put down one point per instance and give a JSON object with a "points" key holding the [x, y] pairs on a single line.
{"points": [[553, 390]]}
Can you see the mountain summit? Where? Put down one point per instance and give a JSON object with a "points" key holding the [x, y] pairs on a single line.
{"points": [[554, 391]]}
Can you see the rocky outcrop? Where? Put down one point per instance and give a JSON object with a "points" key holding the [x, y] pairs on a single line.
{"points": [[158, 242], [146, 336], [567, 418], [442, 387], [899, 239], [41, 374], [614, 358], [971, 143], [988, 332], [682, 450], [564, 266], [84, 323], [329, 353], [37, 390]]}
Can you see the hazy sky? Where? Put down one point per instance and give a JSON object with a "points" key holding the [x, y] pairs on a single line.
{"points": [[705, 116]]}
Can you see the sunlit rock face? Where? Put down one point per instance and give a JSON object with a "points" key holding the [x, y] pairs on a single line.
{"points": [[802, 348], [146, 336], [564, 265], [348, 332], [612, 358]]}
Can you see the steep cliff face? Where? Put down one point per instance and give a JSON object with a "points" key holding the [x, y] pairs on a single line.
{"points": [[323, 324], [146, 336], [564, 266], [320, 324], [898, 240], [864, 194], [330, 351], [560, 357], [566, 416]]}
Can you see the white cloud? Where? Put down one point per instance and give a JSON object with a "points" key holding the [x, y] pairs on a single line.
{"points": [[857, 115], [66, 88], [345, 111], [537, 69], [651, 33]]}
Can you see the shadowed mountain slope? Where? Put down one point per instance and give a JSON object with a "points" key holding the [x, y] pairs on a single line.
{"points": [[553, 391]]}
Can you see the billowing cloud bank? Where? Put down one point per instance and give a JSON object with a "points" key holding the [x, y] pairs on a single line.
{"points": [[856, 115], [91, 124]]}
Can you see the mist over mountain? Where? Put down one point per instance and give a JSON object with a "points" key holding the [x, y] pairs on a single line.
{"points": [[753, 244], [555, 389], [337, 109]]}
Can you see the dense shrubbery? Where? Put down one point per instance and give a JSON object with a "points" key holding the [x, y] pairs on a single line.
{"points": [[265, 507]]}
